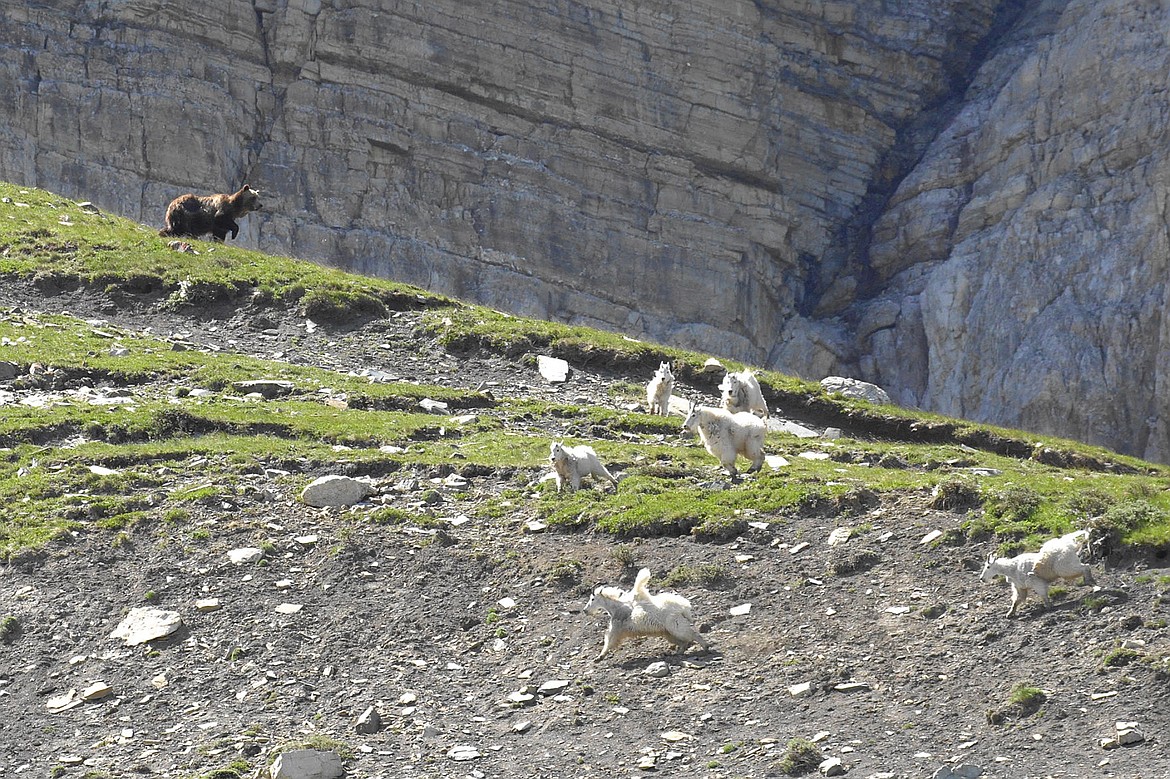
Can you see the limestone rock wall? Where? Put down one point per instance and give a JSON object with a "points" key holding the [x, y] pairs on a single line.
{"points": [[960, 200], [1023, 264]]}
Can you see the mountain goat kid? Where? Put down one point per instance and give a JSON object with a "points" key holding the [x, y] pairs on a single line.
{"points": [[659, 389], [726, 436], [638, 614], [741, 392], [570, 463], [1035, 571]]}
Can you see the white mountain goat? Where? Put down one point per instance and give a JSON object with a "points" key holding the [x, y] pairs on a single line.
{"points": [[637, 614], [727, 436], [570, 463], [741, 392], [659, 389], [1034, 571]]}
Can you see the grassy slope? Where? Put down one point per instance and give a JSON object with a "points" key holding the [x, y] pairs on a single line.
{"points": [[1028, 486]]}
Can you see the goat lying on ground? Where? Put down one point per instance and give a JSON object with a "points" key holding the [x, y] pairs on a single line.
{"points": [[570, 463], [741, 392], [1035, 571], [637, 613], [659, 389], [726, 436]]}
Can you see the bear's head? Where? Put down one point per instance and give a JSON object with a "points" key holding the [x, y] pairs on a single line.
{"points": [[247, 200]]}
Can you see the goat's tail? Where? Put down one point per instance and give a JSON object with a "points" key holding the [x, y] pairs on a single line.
{"points": [[640, 592]]}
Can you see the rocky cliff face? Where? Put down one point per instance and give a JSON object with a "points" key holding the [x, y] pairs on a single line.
{"points": [[958, 199]]}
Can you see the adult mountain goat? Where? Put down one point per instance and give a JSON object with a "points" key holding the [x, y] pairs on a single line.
{"points": [[1058, 558], [727, 436], [637, 614], [741, 392]]}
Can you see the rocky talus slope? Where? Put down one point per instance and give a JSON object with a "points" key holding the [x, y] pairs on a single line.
{"points": [[453, 644]]}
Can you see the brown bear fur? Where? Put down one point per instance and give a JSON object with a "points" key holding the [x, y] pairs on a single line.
{"points": [[190, 216]]}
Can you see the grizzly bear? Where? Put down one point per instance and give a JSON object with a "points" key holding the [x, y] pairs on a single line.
{"points": [[190, 216]]}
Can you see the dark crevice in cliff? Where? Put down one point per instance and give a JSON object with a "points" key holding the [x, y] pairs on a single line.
{"points": [[913, 139]]}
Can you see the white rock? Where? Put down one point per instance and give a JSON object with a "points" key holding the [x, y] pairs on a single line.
{"points": [[657, 669], [933, 535], [851, 687], [208, 604], [147, 623], [289, 608], [1127, 736], [553, 686], [245, 554], [433, 406], [800, 431], [839, 536], [463, 752], [855, 390], [307, 764], [740, 610], [99, 470], [832, 766], [833, 433], [776, 462], [369, 721], [335, 490], [95, 691], [712, 366], [800, 690], [553, 369], [64, 701]]}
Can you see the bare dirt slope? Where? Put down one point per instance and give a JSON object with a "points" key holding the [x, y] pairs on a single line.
{"points": [[450, 636]]}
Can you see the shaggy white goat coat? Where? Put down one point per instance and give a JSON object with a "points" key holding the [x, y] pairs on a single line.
{"points": [[1058, 558], [741, 392], [570, 463], [637, 614], [659, 389], [727, 436]]}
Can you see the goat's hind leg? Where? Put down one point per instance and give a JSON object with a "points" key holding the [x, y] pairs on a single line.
{"points": [[1040, 585]]}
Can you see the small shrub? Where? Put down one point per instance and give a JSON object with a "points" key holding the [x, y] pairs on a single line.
{"points": [[1028, 698], [388, 515], [1013, 504], [1119, 657], [175, 516], [708, 574], [1089, 503], [624, 555], [954, 495], [9, 629], [801, 757], [566, 572]]}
